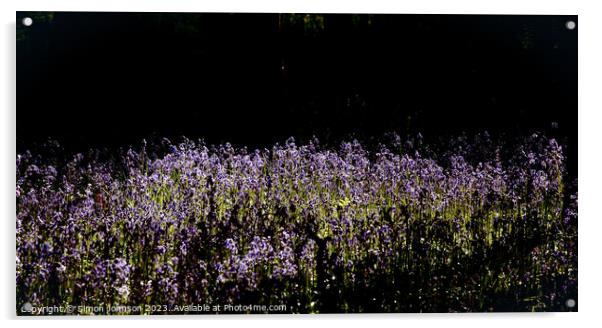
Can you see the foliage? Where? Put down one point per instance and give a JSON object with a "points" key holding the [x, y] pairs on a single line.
{"points": [[317, 229]]}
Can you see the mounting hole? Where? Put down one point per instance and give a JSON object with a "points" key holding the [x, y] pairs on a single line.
{"points": [[27, 21], [570, 303], [571, 25]]}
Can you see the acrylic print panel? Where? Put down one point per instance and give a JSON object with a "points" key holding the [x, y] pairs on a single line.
{"points": [[203, 163]]}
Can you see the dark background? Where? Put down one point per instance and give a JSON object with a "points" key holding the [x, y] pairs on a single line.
{"points": [[111, 79]]}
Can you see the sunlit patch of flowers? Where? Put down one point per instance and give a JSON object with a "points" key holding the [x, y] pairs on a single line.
{"points": [[478, 226]]}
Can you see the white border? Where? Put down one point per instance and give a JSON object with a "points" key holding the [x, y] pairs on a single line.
{"points": [[351, 6], [590, 227]]}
